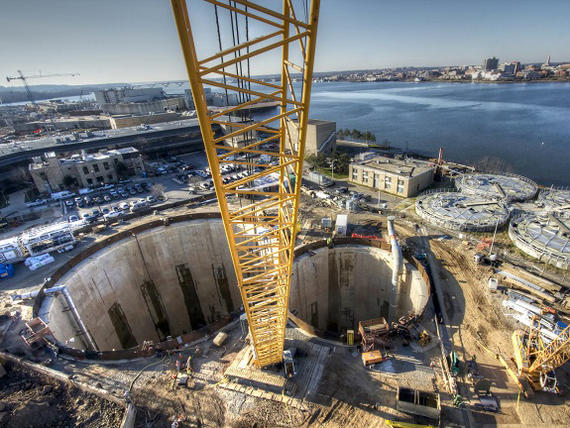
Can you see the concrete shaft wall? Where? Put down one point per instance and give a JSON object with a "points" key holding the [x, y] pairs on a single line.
{"points": [[172, 279], [165, 282], [334, 289]]}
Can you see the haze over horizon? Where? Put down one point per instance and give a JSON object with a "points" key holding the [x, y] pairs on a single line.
{"points": [[136, 41]]}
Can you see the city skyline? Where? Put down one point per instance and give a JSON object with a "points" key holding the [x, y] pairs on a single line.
{"points": [[137, 42]]}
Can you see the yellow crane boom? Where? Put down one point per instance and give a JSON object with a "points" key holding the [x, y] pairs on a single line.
{"points": [[537, 359], [261, 233]]}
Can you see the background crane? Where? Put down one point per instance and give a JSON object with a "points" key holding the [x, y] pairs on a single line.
{"points": [[538, 354], [259, 211], [25, 79]]}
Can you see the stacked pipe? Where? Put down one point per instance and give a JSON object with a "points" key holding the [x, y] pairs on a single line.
{"points": [[397, 262]]}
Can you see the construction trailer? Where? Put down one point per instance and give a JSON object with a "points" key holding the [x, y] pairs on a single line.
{"points": [[341, 225], [45, 239], [11, 250]]}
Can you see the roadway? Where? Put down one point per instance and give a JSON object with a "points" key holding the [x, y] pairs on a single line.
{"points": [[182, 133]]}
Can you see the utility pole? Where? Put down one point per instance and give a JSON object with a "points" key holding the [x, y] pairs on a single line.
{"points": [[332, 168]]}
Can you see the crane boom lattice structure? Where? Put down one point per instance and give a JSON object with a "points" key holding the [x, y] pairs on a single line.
{"points": [[25, 79], [538, 356], [259, 210]]}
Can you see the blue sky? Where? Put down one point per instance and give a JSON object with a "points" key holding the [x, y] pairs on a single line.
{"points": [[136, 40]]}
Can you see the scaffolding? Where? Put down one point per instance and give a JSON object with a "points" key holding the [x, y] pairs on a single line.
{"points": [[261, 229]]}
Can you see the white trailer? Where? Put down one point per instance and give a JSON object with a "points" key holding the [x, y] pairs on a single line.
{"points": [[45, 239], [341, 225], [11, 251]]}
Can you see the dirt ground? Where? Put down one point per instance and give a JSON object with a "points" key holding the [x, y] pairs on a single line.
{"points": [[476, 319], [347, 396], [29, 400]]}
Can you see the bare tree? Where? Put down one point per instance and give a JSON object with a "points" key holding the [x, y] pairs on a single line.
{"points": [[157, 190]]}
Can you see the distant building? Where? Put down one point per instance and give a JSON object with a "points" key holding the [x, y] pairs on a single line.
{"points": [[404, 178], [218, 99], [64, 124], [137, 101], [490, 64], [509, 68], [124, 121], [87, 170], [128, 95], [321, 136]]}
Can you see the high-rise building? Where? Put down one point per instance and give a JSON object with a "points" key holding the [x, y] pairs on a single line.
{"points": [[490, 64], [509, 68]]}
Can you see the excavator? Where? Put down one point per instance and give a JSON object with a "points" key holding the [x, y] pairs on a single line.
{"points": [[258, 209]]}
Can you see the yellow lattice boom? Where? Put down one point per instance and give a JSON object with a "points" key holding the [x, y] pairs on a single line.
{"points": [[535, 357], [259, 211]]}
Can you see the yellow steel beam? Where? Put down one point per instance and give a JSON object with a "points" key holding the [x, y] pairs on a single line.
{"points": [[261, 235]]}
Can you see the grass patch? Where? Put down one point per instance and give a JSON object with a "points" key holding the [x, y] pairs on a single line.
{"points": [[327, 172]]}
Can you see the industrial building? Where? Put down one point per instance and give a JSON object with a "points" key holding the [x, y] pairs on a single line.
{"points": [[321, 136], [462, 212], [402, 177], [218, 99], [137, 101], [49, 172], [64, 124], [125, 121], [509, 187]]}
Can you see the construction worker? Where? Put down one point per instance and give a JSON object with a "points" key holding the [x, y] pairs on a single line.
{"points": [[189, 369]]}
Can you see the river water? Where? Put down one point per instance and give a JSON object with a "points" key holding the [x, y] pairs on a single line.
{"points": [[522, 128]]}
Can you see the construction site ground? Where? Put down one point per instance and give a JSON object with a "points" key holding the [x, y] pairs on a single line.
{"points": [[30, 400], [347, 394]]}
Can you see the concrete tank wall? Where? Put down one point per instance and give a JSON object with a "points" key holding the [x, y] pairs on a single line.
{"points": [[164, 282], [170, 280], [334, 289]]}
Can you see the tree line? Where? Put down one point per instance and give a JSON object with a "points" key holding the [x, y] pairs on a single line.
{"points": [[355, 134]]}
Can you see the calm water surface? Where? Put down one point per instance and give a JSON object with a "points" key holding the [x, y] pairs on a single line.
{"points": [[525, 126]]}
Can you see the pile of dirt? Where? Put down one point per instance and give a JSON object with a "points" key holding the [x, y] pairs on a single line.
{"points": [[31, 400]]}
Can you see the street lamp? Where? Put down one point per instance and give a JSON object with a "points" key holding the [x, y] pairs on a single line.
{"points": [[332, 168]]}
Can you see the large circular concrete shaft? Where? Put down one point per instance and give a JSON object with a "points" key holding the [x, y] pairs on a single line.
{"points": [[168, 280]]}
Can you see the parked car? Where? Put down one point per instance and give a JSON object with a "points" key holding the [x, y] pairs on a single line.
{"points": [[136, 206], [107, 198], [151, 199], [69, 203], [124, 206], [112, 215], [96, 213], [106, 211], [36, 203], [72, 218]]}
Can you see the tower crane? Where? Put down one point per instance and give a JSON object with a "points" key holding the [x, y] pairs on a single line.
{"points": [[538, 354], [25, 79], [259, 211]]}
